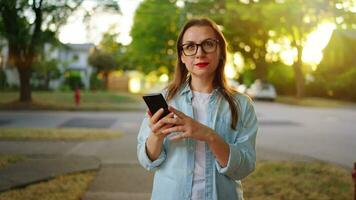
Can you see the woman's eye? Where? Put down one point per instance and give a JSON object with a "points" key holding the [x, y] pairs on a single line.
{"points": [[190, 47], [208, 43]]}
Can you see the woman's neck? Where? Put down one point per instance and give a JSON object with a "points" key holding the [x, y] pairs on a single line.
{"points": [[201, 85]]}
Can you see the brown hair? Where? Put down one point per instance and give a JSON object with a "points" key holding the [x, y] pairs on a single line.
{"points": [[181, 72]]}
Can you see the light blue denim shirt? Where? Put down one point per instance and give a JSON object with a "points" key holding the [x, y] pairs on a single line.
{"points": [[174, 167]]}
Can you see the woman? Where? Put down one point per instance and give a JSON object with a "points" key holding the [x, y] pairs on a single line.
{"points": [[207, 143]]}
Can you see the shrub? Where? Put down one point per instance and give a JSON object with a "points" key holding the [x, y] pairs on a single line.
{"points": [[74, 80]]}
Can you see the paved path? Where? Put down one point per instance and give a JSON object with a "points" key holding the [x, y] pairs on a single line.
{"points": [[40, 168]]}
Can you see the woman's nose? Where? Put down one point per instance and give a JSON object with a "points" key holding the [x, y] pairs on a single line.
{"points": [[200, 52]]}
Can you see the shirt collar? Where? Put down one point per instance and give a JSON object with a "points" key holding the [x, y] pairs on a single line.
{"points": [[187, 90]]}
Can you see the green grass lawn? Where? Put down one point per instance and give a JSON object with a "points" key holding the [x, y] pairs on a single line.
{"points": [[99, 100], [66, 187], [314, 102], [57, 134], [274, 180]]}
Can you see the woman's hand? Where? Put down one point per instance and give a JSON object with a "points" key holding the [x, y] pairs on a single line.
{"points": [[188, 127], [156, 125], [155, 139]]}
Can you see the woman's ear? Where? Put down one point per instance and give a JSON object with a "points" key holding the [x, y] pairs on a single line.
{"points": [[182, 58]]}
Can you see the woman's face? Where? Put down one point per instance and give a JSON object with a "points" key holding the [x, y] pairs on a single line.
{"points": [[204, 63]]}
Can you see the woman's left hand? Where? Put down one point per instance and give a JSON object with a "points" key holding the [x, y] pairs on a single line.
{"points": [[188, 127]]}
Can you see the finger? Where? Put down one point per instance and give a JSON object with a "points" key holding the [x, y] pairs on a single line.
{"points": [[149, 112], [177, 112], [160, 132], [169, 116], [173, 121], [173, 129], [156, 116], [158, 125], [178, 137]]}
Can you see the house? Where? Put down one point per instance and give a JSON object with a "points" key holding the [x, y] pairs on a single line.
{"points": [[76, 56], [72, 57]]}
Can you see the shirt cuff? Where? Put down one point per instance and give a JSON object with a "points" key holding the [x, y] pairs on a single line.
{"points": [[233, 162], [149, 164]]}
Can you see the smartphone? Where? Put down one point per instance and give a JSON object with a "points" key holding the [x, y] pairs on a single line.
{"points": [[156, 101]]}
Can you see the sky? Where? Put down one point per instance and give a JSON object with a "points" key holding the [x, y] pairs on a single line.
{"points": [[75, 30]]}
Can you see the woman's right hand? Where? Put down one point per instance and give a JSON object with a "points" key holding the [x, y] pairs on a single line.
{"points": [[156, 125], [155, 139]]}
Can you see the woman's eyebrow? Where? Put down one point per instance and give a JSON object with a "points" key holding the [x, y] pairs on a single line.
{"points": [[197, 43], [187, 42]]}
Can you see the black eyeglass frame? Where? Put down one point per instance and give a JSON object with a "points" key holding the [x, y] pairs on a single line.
{"points": [[201, 46]]}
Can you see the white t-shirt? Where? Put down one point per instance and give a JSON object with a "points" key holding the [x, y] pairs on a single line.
{"points": [[200, 105]]}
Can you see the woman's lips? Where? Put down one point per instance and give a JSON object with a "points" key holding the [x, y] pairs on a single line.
{"points": [[202, 64]]}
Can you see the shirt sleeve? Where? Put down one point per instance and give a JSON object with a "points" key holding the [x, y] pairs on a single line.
{"points": [[242, 155], [141, 148]]}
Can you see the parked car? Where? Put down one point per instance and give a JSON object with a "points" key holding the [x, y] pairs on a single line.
{"points": [[262, 91], [237, 86]]}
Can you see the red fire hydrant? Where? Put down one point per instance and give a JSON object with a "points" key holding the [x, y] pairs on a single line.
{"points": [[77, 96], [354, 178]]}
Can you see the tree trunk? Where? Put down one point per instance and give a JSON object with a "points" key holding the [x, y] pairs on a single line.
{"points": [[47, 80], [106, 80], [25, 86], [299, 77], [261, 70]]}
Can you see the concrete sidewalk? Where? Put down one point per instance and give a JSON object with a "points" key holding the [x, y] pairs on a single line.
{"points": [[40, 168], [121, 182]]}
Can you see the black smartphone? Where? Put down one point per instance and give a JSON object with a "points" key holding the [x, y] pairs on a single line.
{"points": [[156, 101]]}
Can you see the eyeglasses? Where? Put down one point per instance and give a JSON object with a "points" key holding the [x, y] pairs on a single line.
{"points": [[208, 46]]}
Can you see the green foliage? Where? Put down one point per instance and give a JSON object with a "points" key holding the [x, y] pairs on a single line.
{"points": [[102, 61], [109, 45], [74, 80], [3, 83], [247, 33], [338, 55], [154, 33], [340, 86], [344, 85], [44, 71], [95, 82], [247, 77], [282, 77]]}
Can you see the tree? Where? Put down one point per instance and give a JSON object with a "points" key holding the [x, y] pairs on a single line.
{"points": [[295, 19], [104, 63], [154, 32], [248, 34], [109, 45], [46, 70], [26, 26]]}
